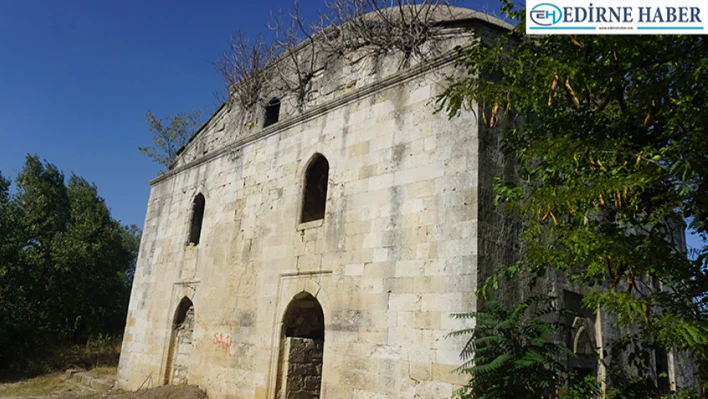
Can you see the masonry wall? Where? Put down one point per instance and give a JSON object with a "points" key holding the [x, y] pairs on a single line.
{"points": [[497, 231], [395, 255], [302, 368]]}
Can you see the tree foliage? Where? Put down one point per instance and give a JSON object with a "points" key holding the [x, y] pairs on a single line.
{"points": [[170, 135], [66, 265], [511, 353], [609, 133]]}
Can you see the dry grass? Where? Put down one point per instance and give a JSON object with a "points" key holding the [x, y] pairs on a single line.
{"points": [[100, 355], [42, 374], [55, 384], [107, 373], [37, 386]]}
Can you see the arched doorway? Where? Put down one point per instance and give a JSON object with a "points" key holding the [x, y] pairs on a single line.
{"points": [[301, 349], [180, 344]]}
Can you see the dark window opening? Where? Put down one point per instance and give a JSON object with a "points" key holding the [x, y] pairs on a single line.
{"points": [[662, 370], [315, 193], [272, 112], [185, 305], [195, 230]]}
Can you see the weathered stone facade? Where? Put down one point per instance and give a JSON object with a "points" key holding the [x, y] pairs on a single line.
{"points": [[353, 300], [323, 254]]}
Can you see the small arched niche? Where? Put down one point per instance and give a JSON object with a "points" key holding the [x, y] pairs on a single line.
{"points": [[272, 112], [314, 198], [195, 225], [301, 349], [177, 370]]}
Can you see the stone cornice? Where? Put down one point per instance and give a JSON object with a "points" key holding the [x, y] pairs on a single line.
{"points": [[344, 99]]}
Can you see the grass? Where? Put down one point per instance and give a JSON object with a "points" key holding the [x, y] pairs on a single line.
{"points": [[42, 385], [52, 383], [101, 355], [43, 372], [104, 372]]}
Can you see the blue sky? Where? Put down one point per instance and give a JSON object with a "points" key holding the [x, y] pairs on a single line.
{"points": [[78, 76]]}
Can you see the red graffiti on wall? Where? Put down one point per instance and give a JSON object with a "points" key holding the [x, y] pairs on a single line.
{"points": [[222, 340]]}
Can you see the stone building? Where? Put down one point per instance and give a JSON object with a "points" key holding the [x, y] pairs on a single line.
{"points": [[317, 247]]}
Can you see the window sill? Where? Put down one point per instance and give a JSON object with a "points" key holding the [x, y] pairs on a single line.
{"points": [[311, 224]]}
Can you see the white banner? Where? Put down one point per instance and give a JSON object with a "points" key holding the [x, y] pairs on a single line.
{"points": [[616, 17]]}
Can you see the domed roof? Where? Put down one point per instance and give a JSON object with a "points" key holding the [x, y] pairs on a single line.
{"points": [[444, 14]]}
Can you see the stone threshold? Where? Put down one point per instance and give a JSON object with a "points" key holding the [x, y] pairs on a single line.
{"points": [[88, 381]]}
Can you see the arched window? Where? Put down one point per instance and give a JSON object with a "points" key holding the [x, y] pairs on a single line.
{"points": [[272, 112], [195, 229], [315, 193]]}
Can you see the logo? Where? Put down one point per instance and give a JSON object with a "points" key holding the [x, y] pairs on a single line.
{"points": [[616, 17], [546, 14]]}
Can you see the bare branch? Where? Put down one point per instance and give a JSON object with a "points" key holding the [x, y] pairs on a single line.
{"points": [[409, 26], [241, 67], [301, 54], [301, 48]]}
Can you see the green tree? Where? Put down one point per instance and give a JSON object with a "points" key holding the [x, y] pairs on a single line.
{"points": [[131, 241], [609, 133], [43, 199], [13, 303], [65, 264], [170, 135], [511, 354], [90, 286]]}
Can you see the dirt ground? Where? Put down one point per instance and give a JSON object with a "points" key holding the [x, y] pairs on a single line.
{"points": [[43, 375], [67, 390], [163, 392]]}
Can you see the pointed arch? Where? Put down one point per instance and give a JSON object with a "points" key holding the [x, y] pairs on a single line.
{"points": [[302, 348], [304, 318], [182, 308], [314, 197], [176, 371], [197, 219]]}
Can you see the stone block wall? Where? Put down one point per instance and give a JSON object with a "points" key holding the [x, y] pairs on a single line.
{"points": [[394, 256], [302, 367]]}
